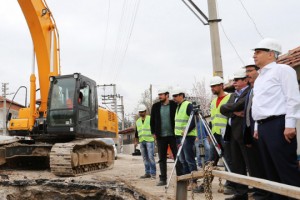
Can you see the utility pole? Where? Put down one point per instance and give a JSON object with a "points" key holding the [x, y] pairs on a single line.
{"points": [[115, 98], [212, 21], [4, 92], [150, 94], [215, 38], [111, 97], [122, 111]]}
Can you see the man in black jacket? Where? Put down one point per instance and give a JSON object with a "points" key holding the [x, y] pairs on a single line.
{"points": [[234, 109], [162, 126]]}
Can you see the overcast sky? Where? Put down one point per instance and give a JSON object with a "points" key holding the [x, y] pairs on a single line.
{"points": [[168, 45]]}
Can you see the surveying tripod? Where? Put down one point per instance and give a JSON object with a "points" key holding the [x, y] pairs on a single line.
{"points": [[193, 116]]}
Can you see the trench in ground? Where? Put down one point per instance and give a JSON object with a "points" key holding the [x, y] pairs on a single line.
{"points": [[60, 189]]}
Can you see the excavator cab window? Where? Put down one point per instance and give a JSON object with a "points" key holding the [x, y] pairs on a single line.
{"points": [[85, 96], [61, 106]]}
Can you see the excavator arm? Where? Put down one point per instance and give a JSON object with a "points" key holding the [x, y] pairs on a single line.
{"points": [[46, 44], [45, 39]]}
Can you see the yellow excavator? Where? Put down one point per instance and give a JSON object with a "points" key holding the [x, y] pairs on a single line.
{"points": [[65, 125]]}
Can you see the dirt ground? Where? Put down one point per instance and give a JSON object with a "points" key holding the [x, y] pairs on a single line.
{"points": [[126, 172]]}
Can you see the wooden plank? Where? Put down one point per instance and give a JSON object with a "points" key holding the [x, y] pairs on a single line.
{"points": [[186, 177], [279, 188], [181, 190]]}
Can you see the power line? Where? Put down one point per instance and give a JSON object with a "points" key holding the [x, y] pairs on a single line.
{"points": [[128, 40], [232, 44], [105, 40], [228, 37], [119, 37], [251, 19]]}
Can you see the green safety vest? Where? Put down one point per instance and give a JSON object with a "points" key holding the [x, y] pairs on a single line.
{"points": [[144, 130], [218, 121], [181, 120]]}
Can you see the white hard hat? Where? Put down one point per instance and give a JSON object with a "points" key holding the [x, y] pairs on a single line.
{"points": [[162, 91], [250, 63], [178, 90], [241, 73], [216, 80], [142, 108], [270, 44]]}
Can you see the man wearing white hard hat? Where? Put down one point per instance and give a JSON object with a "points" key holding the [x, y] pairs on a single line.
{"points": [[219, 123], [145, 138], [234, 109], [187, 155], [276, 108], [162, 126], [255, 167]]}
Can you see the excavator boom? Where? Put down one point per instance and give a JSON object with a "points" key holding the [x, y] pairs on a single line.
{"points": [[44, 35]]}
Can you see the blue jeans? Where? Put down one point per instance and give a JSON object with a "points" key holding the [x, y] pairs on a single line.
{"points": [[206, 151], [187, 155], [147, 150]]}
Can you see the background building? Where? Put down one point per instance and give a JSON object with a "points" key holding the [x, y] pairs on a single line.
{"points": [[14, 110]]}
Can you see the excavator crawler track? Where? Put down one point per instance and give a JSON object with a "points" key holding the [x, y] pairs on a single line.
{"points": [[80, 157]]}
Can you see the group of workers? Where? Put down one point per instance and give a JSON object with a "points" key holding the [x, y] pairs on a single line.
{"points": [[255, 126]]}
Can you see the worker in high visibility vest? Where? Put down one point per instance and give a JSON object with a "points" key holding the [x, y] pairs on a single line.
{"points": [[219, 123], [218, 120], [145, 138], [187, 155]]}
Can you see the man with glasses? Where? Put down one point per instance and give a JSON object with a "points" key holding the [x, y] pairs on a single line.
{"points": [[276, 108], [145, 138], [162, 126], [256, 168], [234, 109], [187, 155]]}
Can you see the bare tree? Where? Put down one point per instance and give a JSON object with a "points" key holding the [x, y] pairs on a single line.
{"points": [[202, 96], [145, 100]]}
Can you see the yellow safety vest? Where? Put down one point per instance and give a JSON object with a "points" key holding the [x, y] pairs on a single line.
{"points": [[181, 120], [144, 130], [218, 120]]}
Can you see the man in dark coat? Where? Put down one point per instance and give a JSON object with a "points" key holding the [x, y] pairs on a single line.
{"points": [[234, 109], [162, 126]]}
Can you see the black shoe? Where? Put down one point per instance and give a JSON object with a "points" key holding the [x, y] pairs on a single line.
{"points": [[238, 197], [146, 176], [199, 189], [161, 183], [229, 190]]}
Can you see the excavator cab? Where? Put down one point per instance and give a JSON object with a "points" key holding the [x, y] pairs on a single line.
{"points": [[72, 106]]}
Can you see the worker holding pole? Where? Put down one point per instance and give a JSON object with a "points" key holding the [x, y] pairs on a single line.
{"points": [[187, 155]]}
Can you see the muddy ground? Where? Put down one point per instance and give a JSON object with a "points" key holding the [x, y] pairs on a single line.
{"points": [[121, 182]]}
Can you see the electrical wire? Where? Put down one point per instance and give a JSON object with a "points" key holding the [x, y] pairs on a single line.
{"points": [[232, 44], [259, 33], [127, 24], [105, 41], [128, 40], [119, 38], [227, 36]]}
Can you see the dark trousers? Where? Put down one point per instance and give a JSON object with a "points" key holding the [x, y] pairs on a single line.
{"points": [[256, 169], [220, 142], [279, 157], [239, 162], [225, 148], [162, 145]]}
